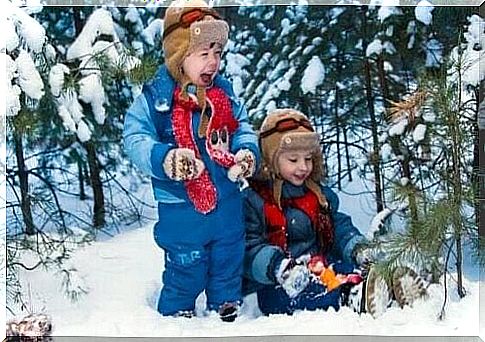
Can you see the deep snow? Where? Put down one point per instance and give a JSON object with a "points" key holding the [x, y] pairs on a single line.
{"points": [[123, 278]]}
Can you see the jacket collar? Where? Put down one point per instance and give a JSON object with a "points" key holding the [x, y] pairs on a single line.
{"points": [[289, 190], [164, 85]]}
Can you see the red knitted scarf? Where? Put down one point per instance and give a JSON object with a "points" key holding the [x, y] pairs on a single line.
{"points": [[277, 224], [201, 191]]}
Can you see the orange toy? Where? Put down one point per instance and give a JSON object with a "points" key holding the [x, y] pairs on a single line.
{"points": [[318, 266], [330, 279]]}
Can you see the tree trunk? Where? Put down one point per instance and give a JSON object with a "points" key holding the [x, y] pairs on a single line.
{"points": [[457, 198], [396, 144], [347, 152], [382, 80], [478, 152], [337, 133], [456, 152], [323, 136], [481, 165], [374, 158], [96, 184], [459, 266], [25, 204], [78, 22], [82, 192]]}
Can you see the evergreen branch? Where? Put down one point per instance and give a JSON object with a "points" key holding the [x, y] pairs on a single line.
{"points": [[401, 249], [92, 55]]}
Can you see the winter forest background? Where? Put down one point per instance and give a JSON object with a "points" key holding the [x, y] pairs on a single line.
{"points": [[394, 92]]}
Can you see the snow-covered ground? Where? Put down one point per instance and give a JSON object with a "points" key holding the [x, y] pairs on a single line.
{"points": [[123, 278]]}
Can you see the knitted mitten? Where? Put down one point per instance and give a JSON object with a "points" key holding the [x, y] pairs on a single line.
{"points": [[293, 277], [180, 164], [244, 166]]}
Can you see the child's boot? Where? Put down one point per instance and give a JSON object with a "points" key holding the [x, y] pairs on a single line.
{"points": [[184, 314], [352, 297], [407, 286], [228, 311]]}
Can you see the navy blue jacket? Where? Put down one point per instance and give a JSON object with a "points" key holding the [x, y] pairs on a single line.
{"points": [[262, 258]]}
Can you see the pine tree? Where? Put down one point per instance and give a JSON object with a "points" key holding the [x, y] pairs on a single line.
{"points": [[440, 117], [64, 136]]}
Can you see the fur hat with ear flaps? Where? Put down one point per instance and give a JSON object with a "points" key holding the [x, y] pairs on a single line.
{"points": [[289, 130], [189, 24]]}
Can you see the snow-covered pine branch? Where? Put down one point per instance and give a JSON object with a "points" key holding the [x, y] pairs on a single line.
{"points": [[377, 222], [313, 76], [25, 38], [467, 66], [88, 49]]}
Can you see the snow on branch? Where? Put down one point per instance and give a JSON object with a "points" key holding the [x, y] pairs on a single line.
{"points": [[85, 48], [91, 91], [313, 75], [13, 90], [467, 64], [99, 23], [423, 12], [28, 77], [388, 8], [26, 37], [30, 30], [93, 53], [153, 32], [56, 78], [377, 222]]}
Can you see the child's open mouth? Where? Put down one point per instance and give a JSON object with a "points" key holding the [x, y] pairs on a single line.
{"points": [[206, 78], [300, 177]]}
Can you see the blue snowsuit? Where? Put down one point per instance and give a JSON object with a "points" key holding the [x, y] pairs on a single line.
{"points": [[262, 258], [202, 252]]}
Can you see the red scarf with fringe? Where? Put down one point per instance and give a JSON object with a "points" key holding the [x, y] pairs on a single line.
{"points": [[202, 191], [277, 225]]}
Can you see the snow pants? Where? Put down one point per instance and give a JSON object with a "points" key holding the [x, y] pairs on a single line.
{"points": [[274, 300], [202, 252]]}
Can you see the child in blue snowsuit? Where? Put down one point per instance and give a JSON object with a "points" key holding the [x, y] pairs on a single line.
{"points": [[192, 136], [301, 252]]}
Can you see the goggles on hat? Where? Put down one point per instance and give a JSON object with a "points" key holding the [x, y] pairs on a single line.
{"points": [[196, 14], [287, 124]]}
